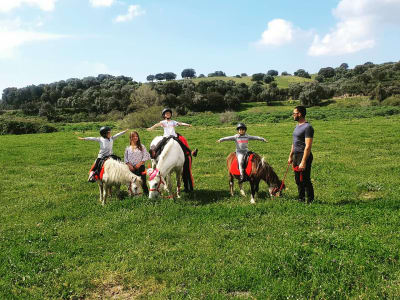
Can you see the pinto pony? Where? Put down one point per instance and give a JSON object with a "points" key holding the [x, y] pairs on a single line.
{"points": [[260, 170], [115, 172]]}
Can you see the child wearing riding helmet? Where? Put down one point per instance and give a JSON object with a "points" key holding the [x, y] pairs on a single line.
{"points": [[242, 140], [106, 142], [169, 127]]}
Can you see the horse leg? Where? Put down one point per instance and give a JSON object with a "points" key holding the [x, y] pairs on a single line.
{"points": [[253, 191], [105, 187], [101, 191], [168, 184], [231, 184], [178, 184], [241, 189]]}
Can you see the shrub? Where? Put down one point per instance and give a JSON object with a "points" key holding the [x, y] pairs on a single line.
{"points": [[24, 126], [392, 101], [312, 94], [228, 117], [142, 118]]}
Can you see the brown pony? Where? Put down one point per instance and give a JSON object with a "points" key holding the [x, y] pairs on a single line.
{"points": [[261, 170]]}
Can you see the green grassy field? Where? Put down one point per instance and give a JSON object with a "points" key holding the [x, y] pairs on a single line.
{"points": [[58, 242]]}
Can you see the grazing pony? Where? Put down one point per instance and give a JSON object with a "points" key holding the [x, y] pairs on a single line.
{"points": [[260, 170], [170, 160], [117, 173]]}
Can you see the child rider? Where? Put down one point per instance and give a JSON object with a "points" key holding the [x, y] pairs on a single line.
{"points": [[106, 142], [169, 128], [241, 139]]}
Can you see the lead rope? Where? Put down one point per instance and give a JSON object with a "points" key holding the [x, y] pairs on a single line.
{"points": [[284, 177]]}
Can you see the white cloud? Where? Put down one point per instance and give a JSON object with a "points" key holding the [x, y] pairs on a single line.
{"points": [[97, 3], [12, 36], [358, 23], [8, 5], [278, 33], [133, 11]]}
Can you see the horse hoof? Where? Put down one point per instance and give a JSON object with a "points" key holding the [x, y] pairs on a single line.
{"points": [[252, 201], [242, 193]]}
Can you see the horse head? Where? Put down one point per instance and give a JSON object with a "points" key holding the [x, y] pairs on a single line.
{"points": [[156, 183], [135, 186]]}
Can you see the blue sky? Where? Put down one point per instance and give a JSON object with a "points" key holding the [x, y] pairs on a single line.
{"points": [[42, 41]]}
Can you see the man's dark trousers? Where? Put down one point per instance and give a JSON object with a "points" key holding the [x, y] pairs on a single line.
{"points": [[303, 179]]}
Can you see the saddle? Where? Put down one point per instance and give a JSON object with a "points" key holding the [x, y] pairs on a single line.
{"points": [[246, 163], [99, 168], [156, 151]]}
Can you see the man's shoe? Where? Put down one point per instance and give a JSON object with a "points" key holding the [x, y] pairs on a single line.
{"points": [[194, 152]]}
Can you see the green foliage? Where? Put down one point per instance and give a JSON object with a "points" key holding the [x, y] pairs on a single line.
{"points": [[312, 94], [268, 78], [217, 74], [188, 73], [228, 117], [142, 118], [257, 77], [327, 72], [302, 73], [24, 126], [272, 73]]}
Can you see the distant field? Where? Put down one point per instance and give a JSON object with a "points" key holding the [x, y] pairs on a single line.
{"points": [[57, 242], [282, 81]]}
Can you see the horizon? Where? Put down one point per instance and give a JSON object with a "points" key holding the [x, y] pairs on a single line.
{"points": [[45, 41]]}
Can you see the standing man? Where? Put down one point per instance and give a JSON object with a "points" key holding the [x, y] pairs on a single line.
{"points": [[300, 155]]}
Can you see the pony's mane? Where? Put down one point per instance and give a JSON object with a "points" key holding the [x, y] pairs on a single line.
{"points": [[264, 170]]}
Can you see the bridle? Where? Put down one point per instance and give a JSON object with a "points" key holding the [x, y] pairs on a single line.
{"points": [[152, 176], [279, 189]]}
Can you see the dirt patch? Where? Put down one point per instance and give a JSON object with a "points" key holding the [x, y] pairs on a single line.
{"points": [[113, 287], [370, 195]]}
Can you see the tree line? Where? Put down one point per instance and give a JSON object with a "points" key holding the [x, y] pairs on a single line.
{"points": [[88, 98]]}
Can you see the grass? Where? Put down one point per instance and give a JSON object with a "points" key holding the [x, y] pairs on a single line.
{"points": [[57, 242]]}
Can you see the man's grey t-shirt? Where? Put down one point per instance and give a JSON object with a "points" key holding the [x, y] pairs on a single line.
{"points": [[300, 133]]}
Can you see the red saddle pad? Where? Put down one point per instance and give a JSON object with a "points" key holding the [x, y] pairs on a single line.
{"points": [[234, 169]]}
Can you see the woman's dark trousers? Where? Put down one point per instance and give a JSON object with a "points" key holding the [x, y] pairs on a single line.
{"points": [[139, 172]]}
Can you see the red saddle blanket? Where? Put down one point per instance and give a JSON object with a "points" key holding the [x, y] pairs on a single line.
{"points": [[96, 176], [234, 169]]}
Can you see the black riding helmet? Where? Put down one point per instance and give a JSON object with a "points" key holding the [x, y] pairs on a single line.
{"points": [[165, 110], [104, 130], [241, 125]]}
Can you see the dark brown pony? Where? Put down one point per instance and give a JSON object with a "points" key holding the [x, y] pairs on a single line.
{"points": [[261, 170]]}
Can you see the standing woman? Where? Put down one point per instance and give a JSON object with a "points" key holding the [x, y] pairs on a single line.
{"points": [[135, 157]]}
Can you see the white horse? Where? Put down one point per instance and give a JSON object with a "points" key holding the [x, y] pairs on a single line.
{"points": [[117, 173], [170, 160]]}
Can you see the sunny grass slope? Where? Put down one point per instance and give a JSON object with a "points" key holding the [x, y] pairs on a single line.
{"points": [[57, 241]]}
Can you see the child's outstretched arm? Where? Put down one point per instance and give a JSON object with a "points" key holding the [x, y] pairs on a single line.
{"points": [[95, 139], [154, 126], [119, 134], [257, 138], [227, 138], [184, 124]]}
